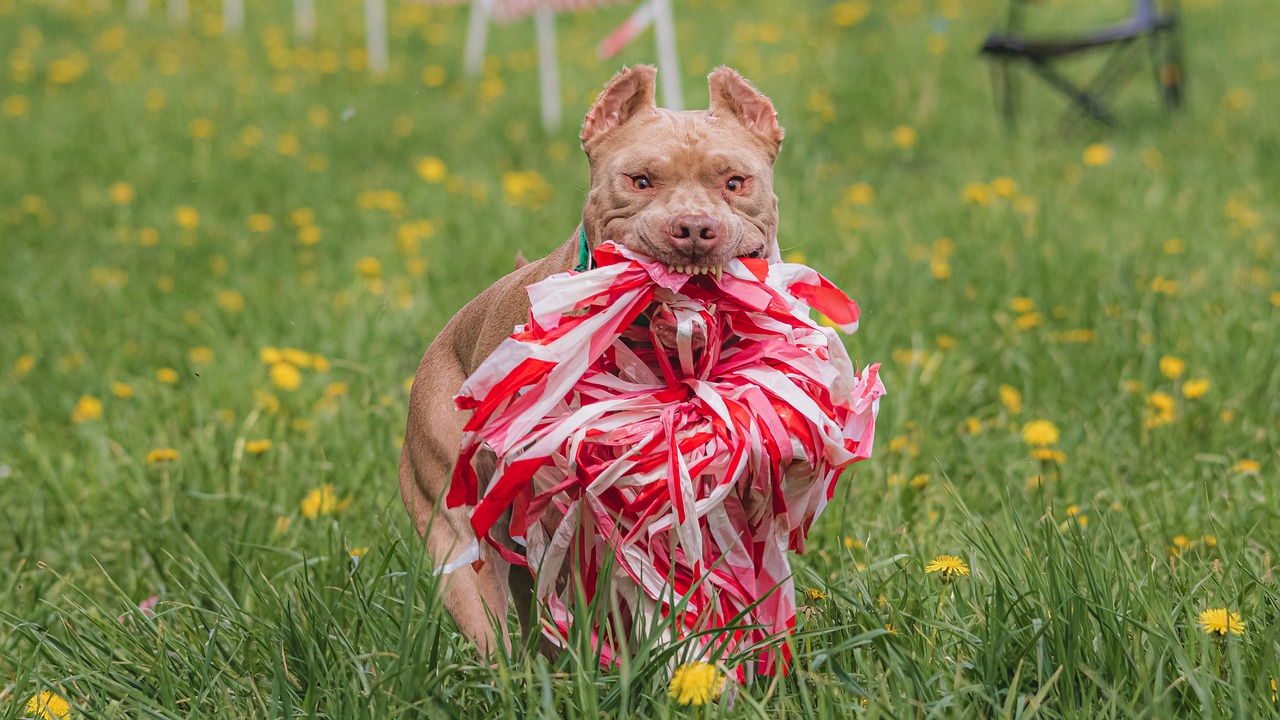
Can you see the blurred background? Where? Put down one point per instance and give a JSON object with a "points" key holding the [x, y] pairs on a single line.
{"points": [[225, 244]]}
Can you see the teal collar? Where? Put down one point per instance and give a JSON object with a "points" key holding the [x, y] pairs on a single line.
{"points": [[584, 253]]}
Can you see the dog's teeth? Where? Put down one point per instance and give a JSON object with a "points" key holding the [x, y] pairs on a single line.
{"points": [[671, 268], [719, 270], [687, 269]]}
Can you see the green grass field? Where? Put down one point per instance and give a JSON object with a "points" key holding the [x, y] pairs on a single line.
{"points": [[177, 207]]}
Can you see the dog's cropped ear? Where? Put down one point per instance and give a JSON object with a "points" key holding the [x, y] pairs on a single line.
{"points": [[627, 94], [732, 96]]}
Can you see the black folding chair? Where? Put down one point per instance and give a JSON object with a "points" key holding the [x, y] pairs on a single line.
{"points": [[1158, 28]]}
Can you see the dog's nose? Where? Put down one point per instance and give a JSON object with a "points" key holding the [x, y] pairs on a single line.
{"points": [[694, 232]]}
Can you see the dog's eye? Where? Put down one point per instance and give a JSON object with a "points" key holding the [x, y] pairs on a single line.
{"points": [[640, 182], [736, 183]]}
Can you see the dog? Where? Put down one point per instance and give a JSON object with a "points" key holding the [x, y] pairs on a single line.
{"points": [[691, 189]]}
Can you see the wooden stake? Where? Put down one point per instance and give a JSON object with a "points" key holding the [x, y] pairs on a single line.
{"points": [[232, 17], [304, 19], [477, 36], [544, 22], [178, 12], [668, 60], [375, 34]]}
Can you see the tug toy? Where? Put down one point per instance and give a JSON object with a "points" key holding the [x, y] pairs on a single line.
{"points": [[686, 472]]}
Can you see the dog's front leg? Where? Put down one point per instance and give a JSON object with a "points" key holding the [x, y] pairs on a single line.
{"points": [[433, 435]]}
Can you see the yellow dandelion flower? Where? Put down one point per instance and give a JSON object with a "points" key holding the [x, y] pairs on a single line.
{"points": [[285, 376], [1049, 455], [972, 425], [1022, 304], [229, 300], [696, 683], [860, 194], [1011, 399], [1040, 433], [369, 267], [121, 390], [261, 223], [1172, 367], [1247, 466], [287, 144], [939, 268], [1161, 401], [121, 193], [359, 552], [200, 355], [919, 482], [251, 136], [1221, 622], [323, 501], [282, 524], [87, 408], [159, 455], [949, 567], [302, 216], [848, 14], [1097, 155], [294, 356], [270, 356], [309, 234], [1195, 389], [319, 363], [187, 217], [24, 364], [48, 705], [1029, 320], [15, 106], [904, 136], [202, 128], [814, 595], [433, 75], [168, 376], [432, 169], [336, 389], [318, 116], [257, 447], [1005, 187], [977, 194]]}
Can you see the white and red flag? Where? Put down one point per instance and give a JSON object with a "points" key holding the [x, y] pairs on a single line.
{"points": [[689, 474]]}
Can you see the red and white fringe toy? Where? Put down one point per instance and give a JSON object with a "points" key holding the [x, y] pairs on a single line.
{"points": [[696, 471]]}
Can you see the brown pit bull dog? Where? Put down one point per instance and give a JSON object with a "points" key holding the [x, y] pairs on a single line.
{"points": [[690, 189]]}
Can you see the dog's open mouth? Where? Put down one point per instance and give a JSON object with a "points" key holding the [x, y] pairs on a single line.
{"points": [[716, 270]]}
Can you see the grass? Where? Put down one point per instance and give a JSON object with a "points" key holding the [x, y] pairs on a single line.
{"points": [[992, 303]]}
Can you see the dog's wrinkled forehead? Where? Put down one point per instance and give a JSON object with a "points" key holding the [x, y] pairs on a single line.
{"points": [[690, 141], [625, 115]]}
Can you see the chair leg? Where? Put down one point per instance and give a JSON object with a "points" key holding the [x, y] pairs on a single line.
{"points": [[1003, 91], [1174, 68], [1118, 68], [1088, 104]]}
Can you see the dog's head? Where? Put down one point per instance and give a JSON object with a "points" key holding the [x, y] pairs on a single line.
{"points": [[690, 189]]}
